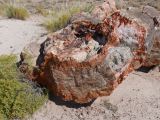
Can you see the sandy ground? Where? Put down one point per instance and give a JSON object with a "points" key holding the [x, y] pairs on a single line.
{"points": [[16, 34]]}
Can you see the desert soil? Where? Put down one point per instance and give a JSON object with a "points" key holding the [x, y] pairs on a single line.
{"points": [[16, 34], [137, 98]]}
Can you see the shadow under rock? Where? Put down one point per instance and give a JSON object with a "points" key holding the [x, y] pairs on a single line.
{"points": [[145, 69], [70, 104]]}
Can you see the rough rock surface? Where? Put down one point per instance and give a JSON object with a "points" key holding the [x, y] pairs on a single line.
{"points": [[105, 9], [149, 17], [86, 60]]}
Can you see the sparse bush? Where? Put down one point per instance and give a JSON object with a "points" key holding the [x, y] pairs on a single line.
{"points": [[60, 19], [58, 22], [18, 97], [2, 8], [16, 12], [40, 10]]}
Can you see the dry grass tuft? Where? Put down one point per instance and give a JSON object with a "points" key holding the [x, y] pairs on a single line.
{"points": [[16, 12], [59, 18]]}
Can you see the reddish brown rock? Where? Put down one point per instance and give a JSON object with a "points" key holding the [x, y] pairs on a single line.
{"points": [[148, 17], [86, 60], [89, 58], [107, 8]]}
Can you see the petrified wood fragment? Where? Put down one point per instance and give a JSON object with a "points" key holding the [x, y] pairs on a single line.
{"points": [[87, 60], [90, 57]]}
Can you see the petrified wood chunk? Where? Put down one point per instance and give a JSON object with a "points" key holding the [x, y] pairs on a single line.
{"points": [[89, 58]]}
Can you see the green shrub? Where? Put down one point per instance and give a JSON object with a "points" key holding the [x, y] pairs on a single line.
{"points": [[18, 97], [16, 12], [8, 67], [1, 116]]}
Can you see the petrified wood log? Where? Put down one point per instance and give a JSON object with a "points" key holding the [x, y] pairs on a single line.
{"points": [[87, 59]]}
